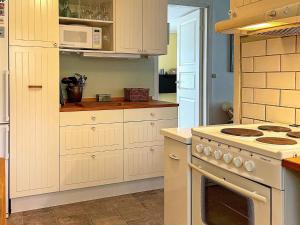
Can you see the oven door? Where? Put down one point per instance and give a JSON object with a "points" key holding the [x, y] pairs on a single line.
{"points": [[223, 198], [76, 37]]}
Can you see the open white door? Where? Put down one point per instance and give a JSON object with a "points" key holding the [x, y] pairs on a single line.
{"points": [[188, 66]]}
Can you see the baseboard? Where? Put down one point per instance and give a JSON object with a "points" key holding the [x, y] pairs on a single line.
{"points": [[86, 194]]}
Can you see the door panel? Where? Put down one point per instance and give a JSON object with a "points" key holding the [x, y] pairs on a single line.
{"points": [[188, 88], [146, 133], [91, 169], [91, 138], [129, 26], [33, 23], [155, 30], [142, 163], [34, 121]]}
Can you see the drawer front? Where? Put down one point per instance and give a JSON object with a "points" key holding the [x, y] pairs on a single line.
{"points": [[142, 163], [91, 117], [91, 138], [146, 133], [88, 170], [150, 114]]}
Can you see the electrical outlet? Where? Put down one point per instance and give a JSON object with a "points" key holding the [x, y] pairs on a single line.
{"points": [[214, 76]]}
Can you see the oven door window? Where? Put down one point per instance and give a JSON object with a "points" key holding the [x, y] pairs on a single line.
{"points": [[222, 206]]}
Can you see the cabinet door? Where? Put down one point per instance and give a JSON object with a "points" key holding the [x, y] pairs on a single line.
{"points": [[129, 26], [87, 170], [142, 163], [91, 138], [34, 158], [155, 27], [145, 133], [34, 23]]}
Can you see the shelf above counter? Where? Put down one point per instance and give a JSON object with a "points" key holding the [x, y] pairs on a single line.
{"points": [[87, 22]]}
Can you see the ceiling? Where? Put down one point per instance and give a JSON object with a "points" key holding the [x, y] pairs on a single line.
{"points": [[175, 12]]}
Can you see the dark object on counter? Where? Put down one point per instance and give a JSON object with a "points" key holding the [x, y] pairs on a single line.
{"points": [[74, 93], [103, 98], [74, 87], [136, 94], [167, 84]]}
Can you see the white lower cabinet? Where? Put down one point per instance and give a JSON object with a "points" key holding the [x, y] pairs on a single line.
{"points": [[91, 138], [145, 133], [91, 169], [142, 163]]}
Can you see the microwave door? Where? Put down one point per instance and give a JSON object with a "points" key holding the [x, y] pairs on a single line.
{"points": [[76, 37]]}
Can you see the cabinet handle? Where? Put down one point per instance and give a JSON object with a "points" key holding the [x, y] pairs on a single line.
{"points": [[152, 149], [35, 86], [93, 117], [93, 156], [93, 128], [174, 157], [152, 114], [152, 123], [55, 44]]}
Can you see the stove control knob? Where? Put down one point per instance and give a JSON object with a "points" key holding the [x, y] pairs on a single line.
{"points": [[250, 166], [207, 151], [218, 154], [199, 148], [227, 158], [238, 161]]}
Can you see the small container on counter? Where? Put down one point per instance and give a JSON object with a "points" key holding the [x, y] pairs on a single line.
{"points": [[136, 94], [103, 98]]}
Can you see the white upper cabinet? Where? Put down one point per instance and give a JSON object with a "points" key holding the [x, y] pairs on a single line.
{"points": [[129, 26], [34, 117], [141, 26], [155, 27], [34, 23]]}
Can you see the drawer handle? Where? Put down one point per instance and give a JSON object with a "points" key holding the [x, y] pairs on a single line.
{"points": [[35, 86], [93, 117], [174, 157], [152, 123], [152, 114], [93, 128], [93, 156], [152, 149]]}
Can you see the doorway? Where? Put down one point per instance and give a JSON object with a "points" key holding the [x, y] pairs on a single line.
{"points": [[181, 70]]}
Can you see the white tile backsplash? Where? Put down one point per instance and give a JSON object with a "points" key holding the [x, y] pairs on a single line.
{"points": [[270, 81]]}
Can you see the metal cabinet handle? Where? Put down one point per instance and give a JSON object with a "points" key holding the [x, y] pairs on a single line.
{"points": [[55, 44], [93, 156], [35, 86], [242, 191], [152, 149], [152, 123], [152, 114], [93, 128], [93, 117], [174, 157]]}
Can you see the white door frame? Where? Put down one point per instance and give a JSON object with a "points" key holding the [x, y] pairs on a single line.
{"points": [[205, 57]]}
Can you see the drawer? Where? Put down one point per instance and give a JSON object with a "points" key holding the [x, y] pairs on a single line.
{"points": [[91, 138], [91, 117], [146, 133], [88, 170], [142, 163], [150, 114]]}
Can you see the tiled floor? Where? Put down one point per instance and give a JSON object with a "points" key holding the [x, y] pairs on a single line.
{"points": [[135, 209]]}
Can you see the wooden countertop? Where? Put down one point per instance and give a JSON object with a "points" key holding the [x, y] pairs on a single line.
{"points": [[292, 164], [115, 105]]}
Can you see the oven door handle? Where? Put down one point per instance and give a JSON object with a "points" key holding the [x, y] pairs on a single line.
{"points": [[242, 191]]}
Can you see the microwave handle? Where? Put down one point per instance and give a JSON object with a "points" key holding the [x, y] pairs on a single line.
{"points": [[242, 191]]}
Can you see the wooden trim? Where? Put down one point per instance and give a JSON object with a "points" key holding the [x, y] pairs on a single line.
{"points": [[237, 80], [292, 164]]}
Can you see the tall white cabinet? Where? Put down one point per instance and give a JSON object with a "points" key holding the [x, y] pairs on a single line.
{"points": [[34, 149], [141, 26], [34, 97]]}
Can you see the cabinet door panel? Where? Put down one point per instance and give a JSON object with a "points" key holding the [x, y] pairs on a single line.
{"points": [[146, 133], [33, 22], [129, 26], [155, 30], [89, 138], [142, 163], [87, 170], [34, 133]]}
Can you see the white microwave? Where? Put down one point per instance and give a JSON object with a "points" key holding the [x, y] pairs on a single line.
{"points": [[80, 37]]}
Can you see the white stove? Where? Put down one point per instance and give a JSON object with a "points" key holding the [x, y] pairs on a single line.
{"points": [[248, 169]]}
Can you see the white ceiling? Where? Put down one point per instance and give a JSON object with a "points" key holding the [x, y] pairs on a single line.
{"points": [[175, 12]]}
